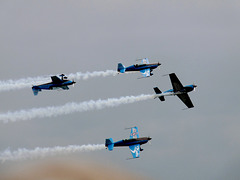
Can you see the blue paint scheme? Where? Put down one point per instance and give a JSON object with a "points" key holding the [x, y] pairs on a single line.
{"points": [[110, 144], [178, 90], [56, 83], [139, 67], [50, 86], [135, 150], [185, 89], [121, 68], [134, 132], [134, 142], [129, 142], [145, 68]]}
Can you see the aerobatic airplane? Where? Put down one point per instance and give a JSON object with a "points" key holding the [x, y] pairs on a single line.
{"points": [[134, 142], [55, 84], [145, 68], [178, 89]]}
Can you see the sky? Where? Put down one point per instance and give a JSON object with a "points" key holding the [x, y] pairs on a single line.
{"points": [[197, 40]]}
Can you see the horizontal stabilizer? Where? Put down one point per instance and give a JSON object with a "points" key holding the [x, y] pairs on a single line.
{"points": [[121, 68], [35, 90], [157, 91], [109, 144]]}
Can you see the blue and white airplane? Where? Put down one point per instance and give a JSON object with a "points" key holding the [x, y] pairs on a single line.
{"points": [[145, 68], [178, 89], [134, 142], [55, 84]]}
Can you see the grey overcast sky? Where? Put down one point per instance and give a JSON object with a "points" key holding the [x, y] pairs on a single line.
{"points": [[198, 40]]}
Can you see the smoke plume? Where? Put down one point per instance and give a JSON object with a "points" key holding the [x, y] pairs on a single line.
{"points": [[38, 152], [30, 81], [52, 111]]}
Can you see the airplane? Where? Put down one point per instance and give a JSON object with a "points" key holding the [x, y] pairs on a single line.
{"points": [[134, 142], [178, 89], [55, 84], [145, 68]]}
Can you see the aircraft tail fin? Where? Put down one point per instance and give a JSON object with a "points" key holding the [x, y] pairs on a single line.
{"points": [[121, 68], [157, 91], [109, 144], [35, 90]]}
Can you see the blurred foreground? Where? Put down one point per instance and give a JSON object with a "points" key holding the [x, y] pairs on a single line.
{"points": [[66, 170]]}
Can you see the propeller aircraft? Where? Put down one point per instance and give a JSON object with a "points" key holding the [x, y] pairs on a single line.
{"points": [[145, 68], [178, 89], [55, 84], [134, 143]]}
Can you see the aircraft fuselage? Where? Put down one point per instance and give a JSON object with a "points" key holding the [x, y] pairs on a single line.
{"points": [[171, 92], [52, 86], [139, 67], [129, 142], [178, 89]]}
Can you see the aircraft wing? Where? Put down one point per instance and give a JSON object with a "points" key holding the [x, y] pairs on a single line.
{"points": [[145, 61], [177, 85], [186, 100], [65, 87], [135, 150], [56, 80], [145, 72], [134, 133]]}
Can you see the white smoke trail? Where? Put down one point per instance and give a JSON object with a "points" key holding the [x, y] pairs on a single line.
{"points": [[70, 108], [38, 152], [21, 83], [87, 75], [28, 82]]}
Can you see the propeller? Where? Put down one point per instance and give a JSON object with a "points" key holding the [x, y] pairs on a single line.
{"points": [[73, 83], [149, 140], [194, 87]]}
